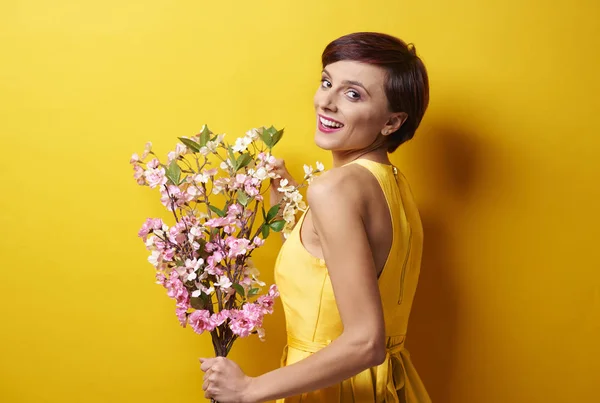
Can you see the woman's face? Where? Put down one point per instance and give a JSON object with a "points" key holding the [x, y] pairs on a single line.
{"points": [[351, 106]]}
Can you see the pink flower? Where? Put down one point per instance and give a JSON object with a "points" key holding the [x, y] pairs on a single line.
{"points": [[241, 327], [246, 319], [181, 313], [251, 190], [258, 242], [145, 230], [153, 164], [234, 210], [138, 172], [155, 177], [172, 197], [215, 258], [267, 302], [217, 319], [176, 234], [176, 289], [219, 222], [237, 246], [168, 254], [157, 223], [240, 179], [211, 247], [200, 321], [161, 279]]}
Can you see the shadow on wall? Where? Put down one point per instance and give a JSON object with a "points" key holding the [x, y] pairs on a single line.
{"points": [[453, 163]]}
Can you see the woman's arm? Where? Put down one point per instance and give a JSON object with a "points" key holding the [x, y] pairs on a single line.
{"points": [[335, 201]]}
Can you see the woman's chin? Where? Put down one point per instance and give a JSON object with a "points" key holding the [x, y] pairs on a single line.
{"points": [[323, 142]]}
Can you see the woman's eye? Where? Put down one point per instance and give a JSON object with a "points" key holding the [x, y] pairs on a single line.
{"points": [[353, 94], [325, 83]]}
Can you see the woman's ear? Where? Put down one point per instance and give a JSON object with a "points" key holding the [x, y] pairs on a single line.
{"points": [[394, 123]]}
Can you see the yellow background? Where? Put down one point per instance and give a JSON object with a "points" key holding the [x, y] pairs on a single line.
{"points": [[505, 169]]}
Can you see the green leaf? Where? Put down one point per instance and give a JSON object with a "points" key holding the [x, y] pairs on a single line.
{"points": [[272, 212], [266, 137], [239, 289], [220, 213], [204, 136], [231, 156], [197, 303], [276, 137], [277, 225], [191, 144], [252, 292], [265, 231], [242, 198], [173, 172], [244, 160]]}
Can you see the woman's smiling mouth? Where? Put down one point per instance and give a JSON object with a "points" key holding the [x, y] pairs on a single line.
{"points": [[328, 125]]}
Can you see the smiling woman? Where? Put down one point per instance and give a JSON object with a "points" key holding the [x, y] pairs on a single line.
{"points": [[348, 272]]}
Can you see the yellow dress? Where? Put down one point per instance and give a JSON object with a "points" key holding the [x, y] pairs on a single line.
{"points": [[312, 318]]}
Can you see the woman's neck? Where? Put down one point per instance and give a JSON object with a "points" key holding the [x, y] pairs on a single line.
{"points": [[344, 157]]}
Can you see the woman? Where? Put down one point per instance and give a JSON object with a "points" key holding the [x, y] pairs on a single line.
{"points": [[348, 272]]}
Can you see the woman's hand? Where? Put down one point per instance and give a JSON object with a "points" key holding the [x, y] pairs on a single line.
{"points": [[224, 381], [281, 170]]}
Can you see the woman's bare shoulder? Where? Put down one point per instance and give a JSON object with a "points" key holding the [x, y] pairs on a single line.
{"points": [[349, 184]]}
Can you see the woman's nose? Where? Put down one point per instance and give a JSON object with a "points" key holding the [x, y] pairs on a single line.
{"points": [[327, 101]]}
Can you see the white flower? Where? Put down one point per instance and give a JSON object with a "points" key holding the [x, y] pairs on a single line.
{"points": [[192, 276], [320, 167], [260, 174], [224, 165], [196, 231], [261, 333], [289, 214], [209, 290], [223, 282], [150, 241], [171, 156], [193, 191], [201, 177], [194, 264], [252, 134], [283, 186], [220, 138], [241, 143], [204, 151], [212, 146], [196, 293], [308, 170], [154, 257], [217, 189]]}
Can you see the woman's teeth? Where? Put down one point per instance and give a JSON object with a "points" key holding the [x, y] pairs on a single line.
{"points": [[329, 123]]}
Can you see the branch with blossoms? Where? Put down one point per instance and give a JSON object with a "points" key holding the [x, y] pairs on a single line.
{"points": [[204, 259]]}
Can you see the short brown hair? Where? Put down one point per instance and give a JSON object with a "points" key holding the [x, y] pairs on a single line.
{"points": [[407, 83]]}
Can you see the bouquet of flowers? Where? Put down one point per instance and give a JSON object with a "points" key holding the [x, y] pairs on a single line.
{"points": [[204, 259]]}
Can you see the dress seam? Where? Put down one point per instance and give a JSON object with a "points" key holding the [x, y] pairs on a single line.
{"points": [[320, 306]]}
